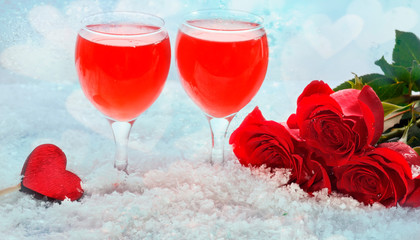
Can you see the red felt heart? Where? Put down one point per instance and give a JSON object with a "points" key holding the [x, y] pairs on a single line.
{"points": [[45, 172]]}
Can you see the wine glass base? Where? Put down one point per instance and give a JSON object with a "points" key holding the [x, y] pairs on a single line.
{"points": [[121, 166], [218, 128], [121, 131]]}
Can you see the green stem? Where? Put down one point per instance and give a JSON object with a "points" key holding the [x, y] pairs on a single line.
{"points": [[412, 121], [413, 98], [397, 132], [396, 115]]}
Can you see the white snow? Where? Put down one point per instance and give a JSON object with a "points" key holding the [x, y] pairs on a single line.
{"points": [[171, 192]]}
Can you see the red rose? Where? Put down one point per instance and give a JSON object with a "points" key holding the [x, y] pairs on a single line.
{"points": [[380, 175], [337, 124], [413, 159], [258, 141]]}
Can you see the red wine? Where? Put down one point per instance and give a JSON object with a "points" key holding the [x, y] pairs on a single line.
{"points": [[221, 70], [123, 71]]}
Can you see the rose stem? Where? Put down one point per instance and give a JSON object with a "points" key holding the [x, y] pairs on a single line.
{"points": [[10, 189]]}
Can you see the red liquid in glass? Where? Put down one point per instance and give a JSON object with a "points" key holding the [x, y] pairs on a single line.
{"points": [[221, 70], [123, 71]]}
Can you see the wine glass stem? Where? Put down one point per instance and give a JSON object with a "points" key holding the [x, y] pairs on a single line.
{"points": [[218, 128], [121, 131]]}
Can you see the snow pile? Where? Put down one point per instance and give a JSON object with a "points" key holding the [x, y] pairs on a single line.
{"points": [[198, 201], [171, 193]]}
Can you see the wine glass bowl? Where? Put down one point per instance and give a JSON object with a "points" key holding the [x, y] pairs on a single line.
{"points": [[122, 60], [222, 59]]}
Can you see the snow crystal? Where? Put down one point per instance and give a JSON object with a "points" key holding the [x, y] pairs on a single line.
{"points": [[415, 170]]}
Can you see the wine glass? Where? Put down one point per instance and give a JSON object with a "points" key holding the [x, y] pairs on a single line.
{"points": [[222, 58], [122, 60]]}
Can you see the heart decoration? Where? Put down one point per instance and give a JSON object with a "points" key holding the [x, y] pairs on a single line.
{"points": [[44, 174]]}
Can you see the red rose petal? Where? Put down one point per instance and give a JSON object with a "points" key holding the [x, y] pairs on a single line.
{"points": [[292, 121], [309, 107], [407, 152], [315, 87], [369, 97], [319, 178], [369, 122], [348, 100], [394, 157], [413, 199]]}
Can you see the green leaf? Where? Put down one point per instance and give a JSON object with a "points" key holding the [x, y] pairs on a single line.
{"points": [[415, 76], [377, 79], [406, 49], [390, 108], [374, 77], [380, 82], [385, 87], [391, 91], [386, 67], [391, 122], [393, 114], [345, 85], [398, 73], [417, 149]]}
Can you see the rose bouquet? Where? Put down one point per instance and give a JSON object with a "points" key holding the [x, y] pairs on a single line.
{"points": [[335, 140]]}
